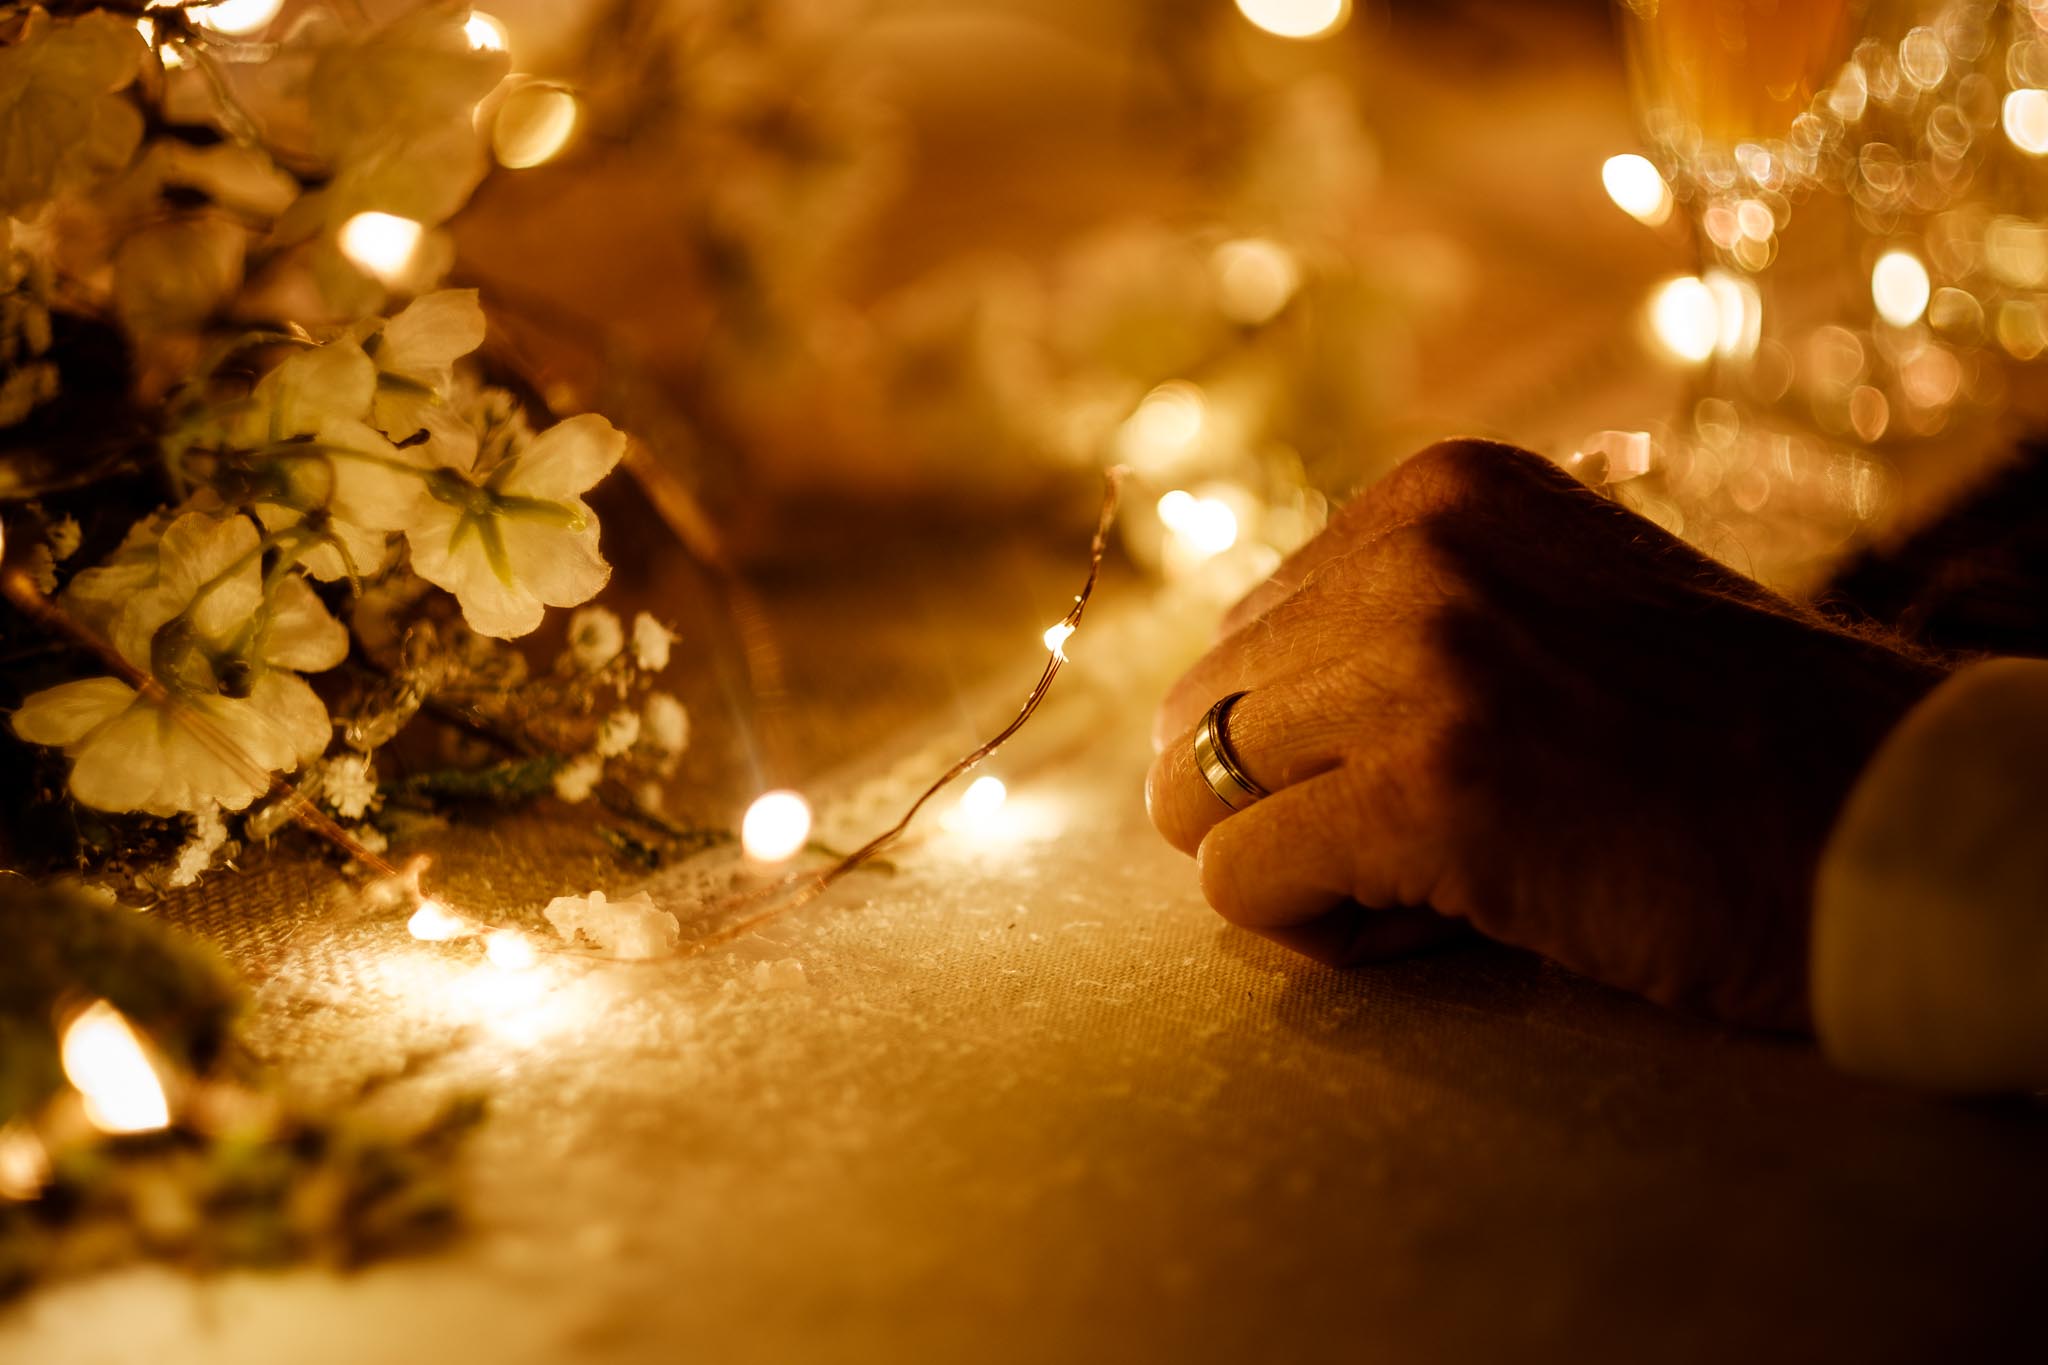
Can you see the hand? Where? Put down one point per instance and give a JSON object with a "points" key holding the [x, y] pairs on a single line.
{"points": [[1485, 693]]}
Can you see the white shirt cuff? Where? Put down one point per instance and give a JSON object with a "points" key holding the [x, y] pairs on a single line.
{"points": [[1930, 916]]}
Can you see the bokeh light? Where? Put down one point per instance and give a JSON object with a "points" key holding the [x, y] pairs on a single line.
{"points": [[1165, 427], [1297, 18], [1900, 288], [2026, 121], [485, 32], [533, 125], [381, 244], [1254, 279], [1685, 319], [1636, 188], [434, 923], [510, 950], [1205, 526], [236, 18], [106, 1061], [776, 826]]}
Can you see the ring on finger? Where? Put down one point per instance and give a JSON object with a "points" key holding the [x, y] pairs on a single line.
{"points": [[1217, 761]]}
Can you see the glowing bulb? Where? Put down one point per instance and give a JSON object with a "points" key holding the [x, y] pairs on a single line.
{"points": [[105, 1060], [2026, 121], [510, 949], [1205, 526], [1254, 279], [533, 125], [484, 32], [236, 17], [1296, 18], [381, 244], [1900, 288], [24, 1162], [1738, 313], [982, 799], [1165, 426], [435, 923], [1685, 319], [1637, 188], [776, 826], [1056, 638]]}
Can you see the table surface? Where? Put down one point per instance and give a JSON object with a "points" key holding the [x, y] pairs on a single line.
{"points": [[1034, 1101]]}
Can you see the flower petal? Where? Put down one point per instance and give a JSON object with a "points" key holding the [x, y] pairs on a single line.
{"points": [[561, 566], [68, 712], [216, 555], [301, 634], [121, 766], [451, 555], [320, 385], [425, 339], [296, 713], [564, 460], [197, 771]]}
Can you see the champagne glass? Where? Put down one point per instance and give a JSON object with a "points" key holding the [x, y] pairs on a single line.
{"points": [[1818, 147]]}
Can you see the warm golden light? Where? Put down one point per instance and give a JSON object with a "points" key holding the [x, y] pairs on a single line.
{"points": [[105, 1060], [1636, 188], [1297, 18], [1165, 426], [24, 1162], [510, 950], [1738, 314], [1685, 319], [381, 244], [533, 125], [435, 923], [1254, 279], [776, 826], [236, 17], [1204, 526], [484, 32], [2026, 121], [1056, 638], [1900, 288], [983, 798]]}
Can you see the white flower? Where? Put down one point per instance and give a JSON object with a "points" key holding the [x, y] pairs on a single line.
{"points": [[349, 784], [64, 536], [651, 640], [97, 595], [579, 778], [664, 724], [415, 354], [522, 539], [620, 731], [595, 638], [209, 832], [304, 437], [229, 713]]}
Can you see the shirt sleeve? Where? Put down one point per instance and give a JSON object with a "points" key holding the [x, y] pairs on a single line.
{"points": [[1930, 916]]}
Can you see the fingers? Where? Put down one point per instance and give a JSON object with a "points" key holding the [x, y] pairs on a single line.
{"points": [[1278, 736], [1348, 835], [1435, 479]]}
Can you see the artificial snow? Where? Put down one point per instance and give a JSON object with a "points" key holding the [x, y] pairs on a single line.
{"points": [[631, 929]]}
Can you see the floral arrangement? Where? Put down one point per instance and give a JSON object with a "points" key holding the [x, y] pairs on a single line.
{"points": [[348, 516]]}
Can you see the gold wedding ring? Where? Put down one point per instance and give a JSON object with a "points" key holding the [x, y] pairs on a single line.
{"points": [[1218, 762]]}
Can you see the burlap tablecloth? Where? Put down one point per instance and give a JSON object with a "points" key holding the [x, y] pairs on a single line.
{"points": [[1034, 1102]]}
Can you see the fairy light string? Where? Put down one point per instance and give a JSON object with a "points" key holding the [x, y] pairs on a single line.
{"points": [[801, 888], [764, 903]]}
